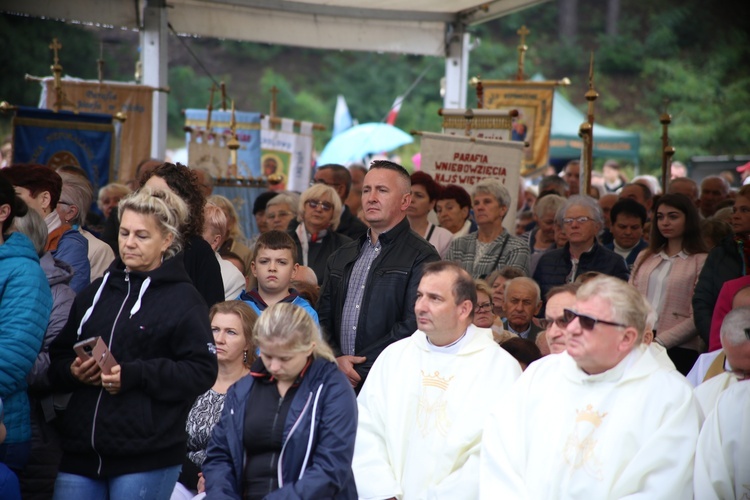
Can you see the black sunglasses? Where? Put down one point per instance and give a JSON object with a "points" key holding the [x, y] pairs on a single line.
{"points": [[587, 322]]}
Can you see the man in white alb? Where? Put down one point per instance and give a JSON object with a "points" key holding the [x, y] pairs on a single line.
{"points": [[722, 460], [423, 405], [603, 420]]}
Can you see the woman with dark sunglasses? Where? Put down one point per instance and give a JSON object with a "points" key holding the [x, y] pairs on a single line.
{"points": [[316, 238]]}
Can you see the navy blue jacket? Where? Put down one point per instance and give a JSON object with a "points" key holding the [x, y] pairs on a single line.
{"points": [[630, 259], [316, 458], [555, 266]]}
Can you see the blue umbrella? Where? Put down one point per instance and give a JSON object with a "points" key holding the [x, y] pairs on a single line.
{"points": [[361, 140]]}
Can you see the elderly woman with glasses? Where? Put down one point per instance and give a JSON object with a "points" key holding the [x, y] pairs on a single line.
{"points": [[316, 237], [484, 316], [280, 211]]}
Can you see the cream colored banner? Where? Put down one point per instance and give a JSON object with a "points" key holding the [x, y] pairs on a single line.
{"points": [[135, 101], [464, 161]]}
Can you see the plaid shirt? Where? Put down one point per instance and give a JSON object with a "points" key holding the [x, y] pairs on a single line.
{"points": [[353, 303]]}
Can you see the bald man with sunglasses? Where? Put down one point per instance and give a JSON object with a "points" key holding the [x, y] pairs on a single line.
{"points": [[604, 419]]}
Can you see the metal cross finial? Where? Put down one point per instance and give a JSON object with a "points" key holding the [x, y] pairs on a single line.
{"points": [[523, 31], [55, 46]]}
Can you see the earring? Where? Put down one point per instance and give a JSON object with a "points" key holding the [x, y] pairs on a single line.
{"points": [[244, 357]]}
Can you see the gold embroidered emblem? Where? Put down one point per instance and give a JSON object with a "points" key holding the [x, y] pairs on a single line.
{"points": [[579, 451], [432, 410]]}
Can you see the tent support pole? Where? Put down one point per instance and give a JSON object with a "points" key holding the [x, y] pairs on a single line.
{"points": [[154, 61], [456, 67]]}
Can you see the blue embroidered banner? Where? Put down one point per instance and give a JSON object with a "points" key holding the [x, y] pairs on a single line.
{"points": [[54, 139]]}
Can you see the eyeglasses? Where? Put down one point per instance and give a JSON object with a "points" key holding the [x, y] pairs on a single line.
{"points": [[561, 322], [278, 215], [581, 220], [486, 307], [327, 207], [587, 322]]}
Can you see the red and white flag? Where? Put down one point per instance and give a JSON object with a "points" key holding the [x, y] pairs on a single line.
{"points": [[393, 113]]}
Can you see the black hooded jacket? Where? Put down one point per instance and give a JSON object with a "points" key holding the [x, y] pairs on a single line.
{"points": [[156, 326]]}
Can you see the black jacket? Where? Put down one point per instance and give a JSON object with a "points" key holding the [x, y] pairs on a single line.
{"points": [[318, 252], [387, 313], [350, 225], [555, 266], [204, 270], [723, 263], [160, 335]]}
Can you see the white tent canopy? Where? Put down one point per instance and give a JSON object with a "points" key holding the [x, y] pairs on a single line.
{"points": [[422, 27]]}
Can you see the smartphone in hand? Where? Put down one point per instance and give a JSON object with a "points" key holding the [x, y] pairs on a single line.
{"points": [[96, 348]]}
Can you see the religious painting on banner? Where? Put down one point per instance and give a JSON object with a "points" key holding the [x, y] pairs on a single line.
{"points": [[533, 101], [453, 159], [209, 150], [134, 101], [286, 156], [84, 140]]}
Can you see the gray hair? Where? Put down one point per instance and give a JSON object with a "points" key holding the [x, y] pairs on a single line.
{"points": [[78, 192], [33, 226], [118, 189], [735, 329], [168, 209], [495, 188], [548, 203], [595, 211], [683, 180], [529, 283], [283, 198], [628, 305], [316, 192], [653, 183]]}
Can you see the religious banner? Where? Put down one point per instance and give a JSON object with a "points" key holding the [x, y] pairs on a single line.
{"points": [[133, 100], [287, 156], [464, 161], [242, 194], [479, 123], [55, 139], [533, 102], [210, 151]]}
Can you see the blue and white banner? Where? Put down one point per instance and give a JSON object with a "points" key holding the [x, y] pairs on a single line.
{"points": [[55, 139], [248, 134]]}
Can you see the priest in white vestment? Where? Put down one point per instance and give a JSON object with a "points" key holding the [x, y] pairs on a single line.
{"points": [[722, 460], [605, 419], [422, 408]]}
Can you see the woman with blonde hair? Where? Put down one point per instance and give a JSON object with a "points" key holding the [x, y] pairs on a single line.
{"points": [[232, 324], [235, 240], [287, 430], [109, 196], [123, 432], [315, 236]]}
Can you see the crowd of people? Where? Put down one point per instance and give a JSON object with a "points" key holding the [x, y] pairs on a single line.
{"points": [[380, 336]]}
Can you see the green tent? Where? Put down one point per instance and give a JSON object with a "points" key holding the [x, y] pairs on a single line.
{"points": [[608, 143]]}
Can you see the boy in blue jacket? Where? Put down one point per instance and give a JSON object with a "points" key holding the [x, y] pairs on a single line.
{"points": [[274, 267]]}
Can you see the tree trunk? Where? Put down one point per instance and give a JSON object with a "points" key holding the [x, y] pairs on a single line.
{"points": [[613, 17], [568, 20]]}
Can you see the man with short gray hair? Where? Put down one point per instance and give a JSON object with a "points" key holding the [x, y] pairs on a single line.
{"points": [[573, 425], [722, 459], [522, 302]]}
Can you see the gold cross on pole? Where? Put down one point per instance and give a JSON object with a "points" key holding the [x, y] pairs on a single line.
{"points": [[522, 48], [55, 46]]}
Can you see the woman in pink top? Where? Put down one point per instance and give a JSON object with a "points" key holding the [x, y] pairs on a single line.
{"points": [[666, 273]]}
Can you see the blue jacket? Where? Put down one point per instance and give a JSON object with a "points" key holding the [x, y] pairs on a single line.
{"points": [[630, 259], [73, 249], [25, 305], [254, 300], [319, 433]]}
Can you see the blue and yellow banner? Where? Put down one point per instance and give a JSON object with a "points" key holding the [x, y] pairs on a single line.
{"points": [[54, 139]]}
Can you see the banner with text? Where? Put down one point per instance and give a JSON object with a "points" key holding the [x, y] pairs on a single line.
{"points": [[465, 161], [286, 156], [208, 150], [135, 101], [533, 101]]}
